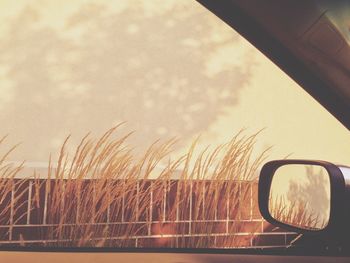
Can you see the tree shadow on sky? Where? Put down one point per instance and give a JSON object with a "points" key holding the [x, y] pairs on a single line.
{"points": [[108, 67]]}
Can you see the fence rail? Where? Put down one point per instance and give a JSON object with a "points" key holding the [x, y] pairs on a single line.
{"points": [[147, 213]]}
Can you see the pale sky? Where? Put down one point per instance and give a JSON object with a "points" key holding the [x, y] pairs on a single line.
{"points": [[167, 68]]}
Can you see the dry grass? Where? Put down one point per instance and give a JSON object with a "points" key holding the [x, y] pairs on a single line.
{"points": [[296, 214], [102, 178]]}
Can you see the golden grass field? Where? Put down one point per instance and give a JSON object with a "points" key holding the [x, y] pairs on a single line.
{"points": [[102, 178]]}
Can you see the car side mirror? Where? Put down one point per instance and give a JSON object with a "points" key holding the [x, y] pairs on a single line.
{"points": [[303, 196]]}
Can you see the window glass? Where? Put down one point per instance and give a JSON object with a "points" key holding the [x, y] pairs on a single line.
{"points": [[165, 69]]}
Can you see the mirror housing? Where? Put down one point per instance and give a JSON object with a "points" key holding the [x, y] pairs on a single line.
{"points": [[336, 215]]}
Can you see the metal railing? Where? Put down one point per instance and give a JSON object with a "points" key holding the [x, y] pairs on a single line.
{"points": [[26, 219]]}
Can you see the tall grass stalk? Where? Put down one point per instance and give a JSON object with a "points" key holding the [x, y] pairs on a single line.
{"points": [[102, 182]]}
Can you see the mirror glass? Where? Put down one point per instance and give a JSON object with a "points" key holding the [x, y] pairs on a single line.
{"points": [[300, 196]]}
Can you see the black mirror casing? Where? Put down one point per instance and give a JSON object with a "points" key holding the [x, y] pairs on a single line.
{"points": [[337, 219]]}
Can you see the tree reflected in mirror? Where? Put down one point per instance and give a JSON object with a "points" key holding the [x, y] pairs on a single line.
{"points": [[300, 196]]}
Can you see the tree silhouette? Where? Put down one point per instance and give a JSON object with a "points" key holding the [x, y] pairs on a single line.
{"points": [[108, 67], [314, 193]]}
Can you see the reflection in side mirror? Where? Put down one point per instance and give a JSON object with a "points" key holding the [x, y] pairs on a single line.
{"points": [[300, 196]]}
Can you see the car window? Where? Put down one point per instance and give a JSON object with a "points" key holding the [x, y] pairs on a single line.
{"points": [[143, 124]]}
